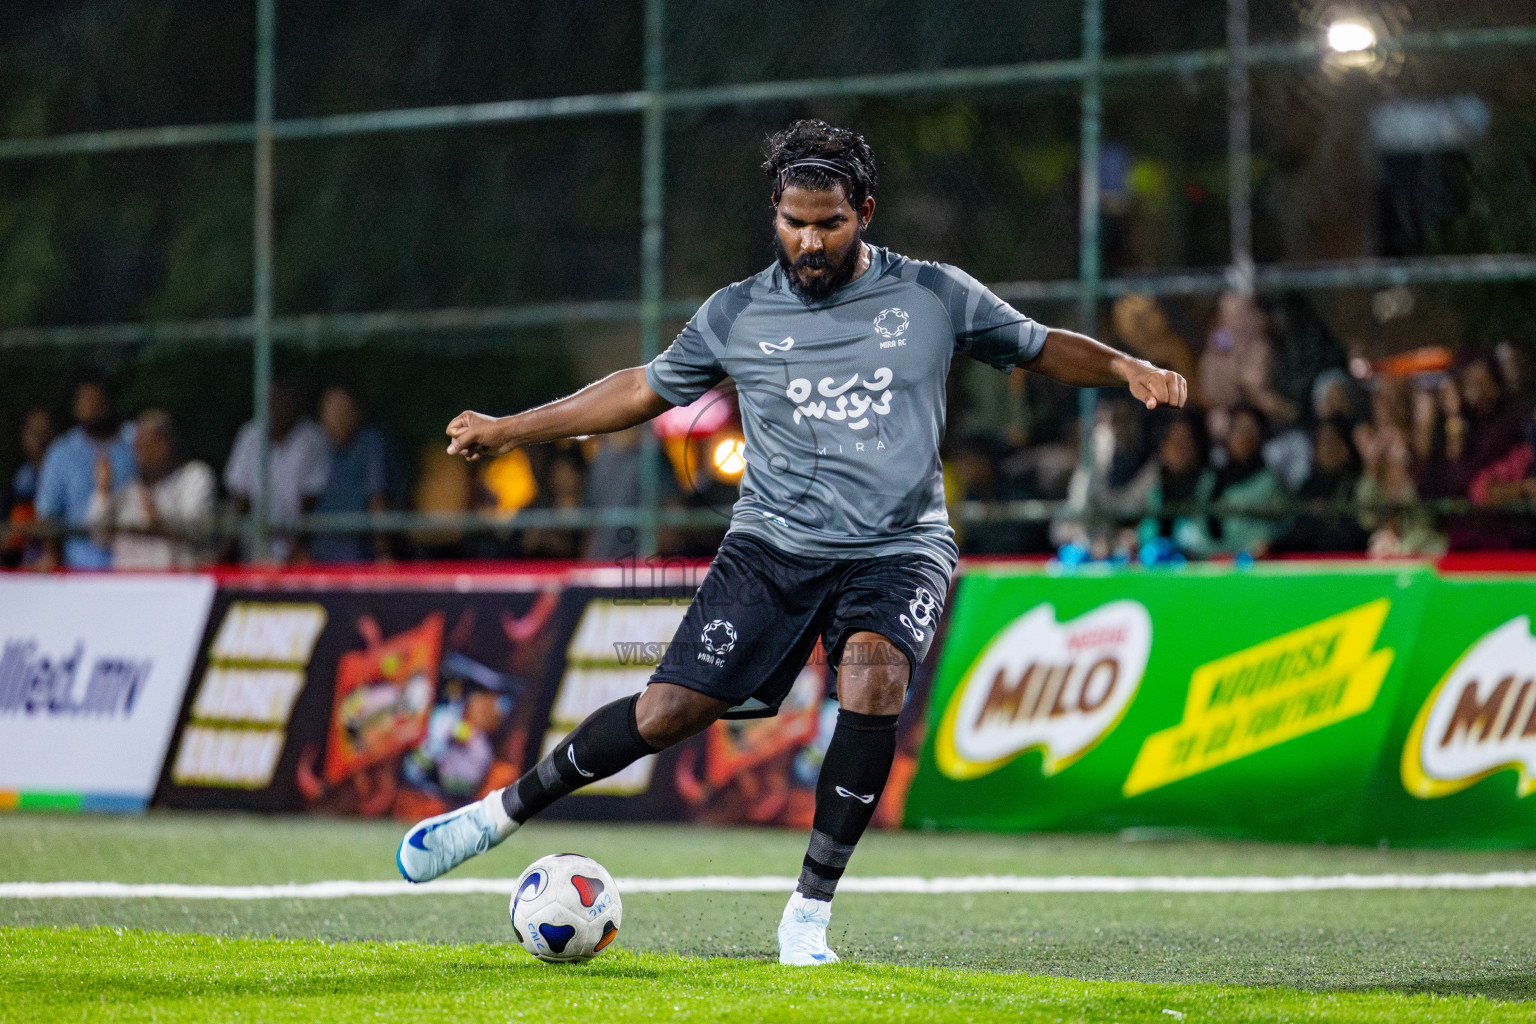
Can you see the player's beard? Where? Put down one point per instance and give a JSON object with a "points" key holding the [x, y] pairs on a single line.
{"points": [[839, 273]]}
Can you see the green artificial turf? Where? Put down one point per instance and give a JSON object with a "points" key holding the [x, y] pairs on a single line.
{"points": [[143, 976], [1330, 955]]}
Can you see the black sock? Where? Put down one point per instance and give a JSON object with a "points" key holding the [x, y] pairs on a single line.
{"points": [[848, 790], [606, 743]]}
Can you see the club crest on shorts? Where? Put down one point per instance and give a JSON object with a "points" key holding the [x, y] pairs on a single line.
{"points": [[923, 607], [718, 637]]}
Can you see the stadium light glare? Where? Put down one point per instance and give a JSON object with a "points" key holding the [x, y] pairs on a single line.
{"points": [[731, 457], [1351, 35]]}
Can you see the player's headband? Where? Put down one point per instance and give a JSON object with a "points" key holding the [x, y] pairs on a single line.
{"points": [[818, 163]]}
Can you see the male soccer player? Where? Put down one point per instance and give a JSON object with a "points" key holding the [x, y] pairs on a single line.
{"points": [[839, 351]]}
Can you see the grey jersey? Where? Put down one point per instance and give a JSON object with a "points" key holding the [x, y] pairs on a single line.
{"points": [[842, 402]]}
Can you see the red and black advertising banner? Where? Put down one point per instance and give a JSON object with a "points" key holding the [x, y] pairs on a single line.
{"points": [[397, 699]]}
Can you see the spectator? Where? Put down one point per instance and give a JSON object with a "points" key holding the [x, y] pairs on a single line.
{"points": [[1244, 485], [1511, 480], [1396, 532], [444, 487], [971, 474], [21, 504], [358, 480], [565, 480], [299, 462], [1109, 485], [1179, 486], [1289, 455], [1334, 478], [1335, 395], [153, 520], [1514, 368], [68, 476], [1390, 428], [1143, 327], [1041, 472], [1480, 425], [614, 482], [1237, 366]]}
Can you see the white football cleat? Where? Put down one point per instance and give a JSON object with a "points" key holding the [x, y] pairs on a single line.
{"points": [[441, 843], [803, 933]]}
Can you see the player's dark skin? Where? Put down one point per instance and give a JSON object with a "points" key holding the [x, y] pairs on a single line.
{"points": [[873, 677]]}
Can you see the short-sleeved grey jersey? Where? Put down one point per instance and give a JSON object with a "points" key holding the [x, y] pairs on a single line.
{"points": [[842, 402]]}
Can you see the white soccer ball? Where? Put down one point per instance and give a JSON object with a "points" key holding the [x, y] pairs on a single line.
{"points": [[566, 908]]}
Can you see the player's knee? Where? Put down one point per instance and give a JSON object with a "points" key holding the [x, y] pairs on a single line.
{"points": [[873, 675], [667, 713]]}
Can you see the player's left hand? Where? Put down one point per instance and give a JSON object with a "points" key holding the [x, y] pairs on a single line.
{"points": [[1153, 387]]}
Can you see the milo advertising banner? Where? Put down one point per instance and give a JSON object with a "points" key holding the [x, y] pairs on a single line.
{"points": [[1459, 759], [1247, 703]]}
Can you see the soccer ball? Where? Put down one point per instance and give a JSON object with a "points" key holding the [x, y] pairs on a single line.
{"points": [[566, 908]]}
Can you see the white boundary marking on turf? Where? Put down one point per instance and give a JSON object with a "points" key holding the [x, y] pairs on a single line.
{"points": [[779, 884]]}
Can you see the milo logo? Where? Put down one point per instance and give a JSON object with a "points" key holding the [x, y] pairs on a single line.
{"points": [[1480, 719], [1043, 685]]}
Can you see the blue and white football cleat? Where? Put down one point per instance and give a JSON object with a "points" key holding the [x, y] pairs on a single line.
{"points": [[442, 843], [803, 933]]}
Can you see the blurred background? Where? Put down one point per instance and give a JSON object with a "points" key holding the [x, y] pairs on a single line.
{"points": [[250, 233]]}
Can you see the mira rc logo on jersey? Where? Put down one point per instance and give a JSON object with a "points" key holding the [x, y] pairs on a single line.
{"points": [[892, 322], [1481, 719], [1042, 685]]}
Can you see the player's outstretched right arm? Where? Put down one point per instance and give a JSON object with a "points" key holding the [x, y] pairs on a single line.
{"points": [[618, 401]]}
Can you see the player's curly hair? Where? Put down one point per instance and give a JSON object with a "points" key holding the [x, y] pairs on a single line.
{"points": [[814, 139]]}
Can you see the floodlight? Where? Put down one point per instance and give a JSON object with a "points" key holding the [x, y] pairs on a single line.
{"points": [[731, 457], [1351, 35]]}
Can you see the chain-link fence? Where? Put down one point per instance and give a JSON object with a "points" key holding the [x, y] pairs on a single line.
{"points": [[483, 207]]}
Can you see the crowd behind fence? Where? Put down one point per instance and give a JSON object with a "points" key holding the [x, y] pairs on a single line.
{"points": [[1289, 446], [1294, 444]]}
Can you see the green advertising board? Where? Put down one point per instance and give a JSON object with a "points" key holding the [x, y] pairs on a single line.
{"points": [[1458, 761], [1237, 702]]}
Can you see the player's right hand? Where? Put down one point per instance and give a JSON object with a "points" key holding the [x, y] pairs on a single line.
{"points": [[473, 434]]}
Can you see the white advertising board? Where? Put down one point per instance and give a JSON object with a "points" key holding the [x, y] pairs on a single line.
{"points": [[93, 670]]}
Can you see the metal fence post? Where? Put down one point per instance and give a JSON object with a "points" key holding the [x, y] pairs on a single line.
{"points": [[1089, 266], [653, 187], [1239, 148], [261, 306]]}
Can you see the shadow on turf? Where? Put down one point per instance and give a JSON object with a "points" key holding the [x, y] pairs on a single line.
{"points": [[1508, 987]]}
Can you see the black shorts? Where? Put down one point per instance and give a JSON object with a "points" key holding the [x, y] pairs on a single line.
{"points": [[755, 620]]}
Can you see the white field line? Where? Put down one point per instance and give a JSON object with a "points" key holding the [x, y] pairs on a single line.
{"points": [[782, 884]]}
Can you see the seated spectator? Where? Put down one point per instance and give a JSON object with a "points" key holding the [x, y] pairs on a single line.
{"points": [[1237, 366], [1335, 395], [358, 480], [1289, 454], [1179, 485], [68, 476], [1108, 491], [1391, 424], [1511, 481], [297, 468], [1041, 471], [1480, 425], [445, 486], [1334, 478], [971, 474], [1245, 484], [154, 520], [1402, 532], [614, 482], [21, 503], [565, 481], [1144, 329]]}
